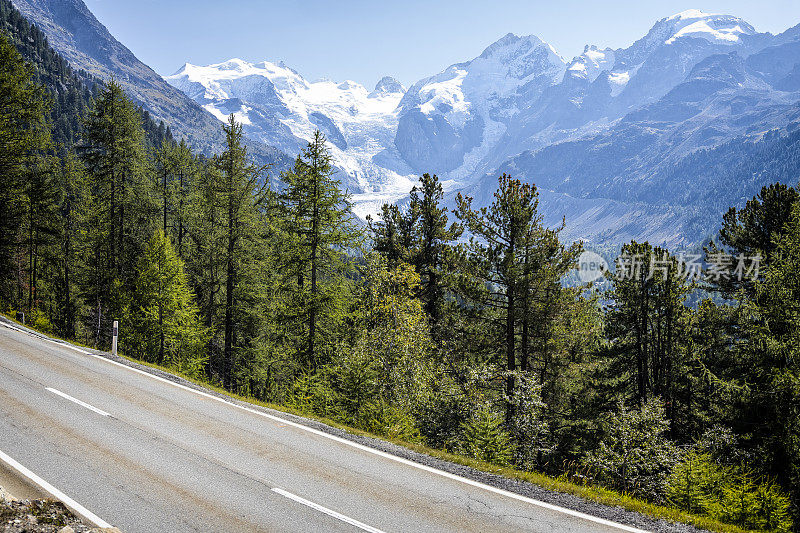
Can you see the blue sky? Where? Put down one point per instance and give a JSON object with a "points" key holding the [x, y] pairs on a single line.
{"points": [[363, 40]]}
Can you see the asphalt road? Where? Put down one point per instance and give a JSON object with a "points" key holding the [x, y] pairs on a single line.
{"points": [[147, 455]]}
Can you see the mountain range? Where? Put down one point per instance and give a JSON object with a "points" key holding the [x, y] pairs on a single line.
{"points": [[652, 142]]}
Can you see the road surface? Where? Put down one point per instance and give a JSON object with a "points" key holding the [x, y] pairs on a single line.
{"points": [[148, 455]]}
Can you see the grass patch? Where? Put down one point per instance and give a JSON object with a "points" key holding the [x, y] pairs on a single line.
{"points": [[592, 493]]}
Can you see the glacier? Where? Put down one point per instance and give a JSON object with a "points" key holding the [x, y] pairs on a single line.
{"points": [[517, 106]]}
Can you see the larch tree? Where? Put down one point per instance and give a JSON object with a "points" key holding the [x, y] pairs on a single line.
{"points": [[163, 318], [319, 229], [120, 211], [24, 136], [242, 192]]}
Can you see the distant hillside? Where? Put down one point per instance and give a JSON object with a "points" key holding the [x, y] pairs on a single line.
{"points": [[71, 90], [74, 32]]}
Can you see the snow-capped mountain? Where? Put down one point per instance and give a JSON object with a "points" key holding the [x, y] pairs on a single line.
{"points": [[695, 80], [452, 120], [276, 105]]}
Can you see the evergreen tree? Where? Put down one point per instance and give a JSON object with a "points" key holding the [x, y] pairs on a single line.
{"points": [[646, 321], [185, 170], [319, 231], [769, 364], [120, 212], [420, 236], [206, 253], [433, 239], [39, 227], [508, 239], [163, 318], [73, 194], [392, 234], [753, 231], [243, 195], [24, 135]]}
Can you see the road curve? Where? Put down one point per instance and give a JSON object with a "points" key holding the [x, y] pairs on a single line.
{"points": [[149, 455]]}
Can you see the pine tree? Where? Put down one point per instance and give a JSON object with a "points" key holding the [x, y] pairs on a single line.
{"points": [[753, 231], [769, 363], [646, 321], [393, 233], [493, 261], [315, 218], [433, 242], [420, 236]]}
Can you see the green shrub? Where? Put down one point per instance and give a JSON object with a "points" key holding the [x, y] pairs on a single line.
{"points": [[484, 437], [634, 455], [39, 321], [701, 486]]}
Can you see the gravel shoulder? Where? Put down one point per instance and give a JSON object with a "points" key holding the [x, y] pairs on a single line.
{"points": [[39, 515]]}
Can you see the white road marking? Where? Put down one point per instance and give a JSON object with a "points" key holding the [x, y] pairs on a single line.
{"points": [[321, 509], [367, 449], [73, 506], [82, 404]]}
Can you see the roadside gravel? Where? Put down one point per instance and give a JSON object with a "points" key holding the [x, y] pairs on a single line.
{"points": [[40, 516]]}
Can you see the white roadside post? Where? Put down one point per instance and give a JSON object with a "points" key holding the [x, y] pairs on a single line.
{"points": [[114, 336]]}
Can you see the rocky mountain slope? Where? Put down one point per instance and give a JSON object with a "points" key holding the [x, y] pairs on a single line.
{"points": [[621, 142], [601, 134], [74, 32]]}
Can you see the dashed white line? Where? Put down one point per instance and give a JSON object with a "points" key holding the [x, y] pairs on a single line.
{"points": [[364, 448], [75, 400], [74, 506], [329, 512]]}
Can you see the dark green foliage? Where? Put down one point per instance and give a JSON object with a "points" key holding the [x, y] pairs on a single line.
{"points": [[24, 136], [753, 231], [646, 320], [241, 194], [421, 237], [120, 210]]}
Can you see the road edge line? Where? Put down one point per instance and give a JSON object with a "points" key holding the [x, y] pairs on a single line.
{"points": [[363, 447], [68, 502]]}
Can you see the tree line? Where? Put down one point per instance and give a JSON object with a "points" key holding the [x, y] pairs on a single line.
{"points": [[449, 328]]}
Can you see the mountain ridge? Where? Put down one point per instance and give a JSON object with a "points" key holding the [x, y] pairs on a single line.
{"points": [[86, 44], [695, 80], [596, 132]]}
